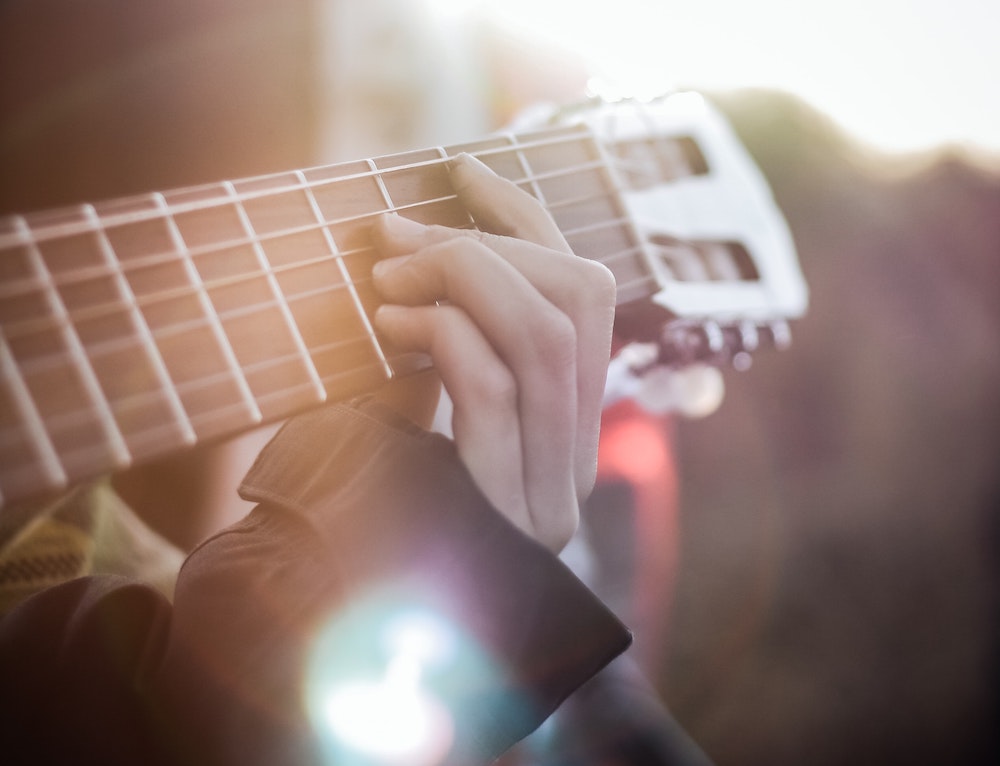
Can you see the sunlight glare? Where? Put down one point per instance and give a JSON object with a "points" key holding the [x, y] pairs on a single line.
{"points": [[371, 689], [900, 74], [392, 720]]}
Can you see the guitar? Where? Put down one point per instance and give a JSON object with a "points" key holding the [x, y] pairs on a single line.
{"points": [[136, 327]]}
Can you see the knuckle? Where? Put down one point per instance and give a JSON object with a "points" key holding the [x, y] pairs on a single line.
{"points": [[484, 238], [460, 253], [489, 382], [596, 286], [495, 387]]}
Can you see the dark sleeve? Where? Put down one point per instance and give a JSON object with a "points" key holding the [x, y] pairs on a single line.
{"points": [[366, 525], [364, 520], [72, 663]]}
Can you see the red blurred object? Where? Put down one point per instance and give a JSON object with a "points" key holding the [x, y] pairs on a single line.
{"points": [[636, 449]]}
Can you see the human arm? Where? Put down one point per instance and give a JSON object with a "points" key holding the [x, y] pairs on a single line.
{"points": [[520, 340], [397, 521], [354, 503]]}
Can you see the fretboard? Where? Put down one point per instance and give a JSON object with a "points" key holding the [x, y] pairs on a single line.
{"points": [[140, 326]]}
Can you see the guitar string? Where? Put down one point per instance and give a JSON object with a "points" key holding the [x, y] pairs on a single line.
{"points": [[262, 365], [80, 225], [114, 345], [19, 328], [147, 213], [21, 287], [132, 402], [25, 286], [119, 307], [138, 400], [11, 290], [125, 342]]}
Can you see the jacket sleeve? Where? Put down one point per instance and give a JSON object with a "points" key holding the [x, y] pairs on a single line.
{"points": [[362, 520], [370, 562], [72, 660]]}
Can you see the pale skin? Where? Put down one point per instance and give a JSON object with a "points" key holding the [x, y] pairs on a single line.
{"points": [[519, 330]]}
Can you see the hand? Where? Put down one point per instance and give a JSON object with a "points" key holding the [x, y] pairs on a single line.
{"points": [[519, 330]]}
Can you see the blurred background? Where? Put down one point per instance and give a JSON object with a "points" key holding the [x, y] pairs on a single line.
{"points": [[830, 591]]}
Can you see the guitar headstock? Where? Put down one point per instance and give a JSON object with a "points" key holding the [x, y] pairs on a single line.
{"points": [[727, 278]]}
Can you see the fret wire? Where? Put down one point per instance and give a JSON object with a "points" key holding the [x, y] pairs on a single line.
{"points": [[165, 212], [32, 418], [119, 344], [110, 346], [390, 206], [272, 281], [28, 326], [194, 385], [377, 174], [619, 254], [346, 275], [83, 275], [115, 441], [69, 419], [123, 343], [16, 287], [139, 320], [638, 282], [13, 288], [117, 219], [221, 413], [522, 161], [649, 277], [204, 381], [215, 324], [217, 414]]}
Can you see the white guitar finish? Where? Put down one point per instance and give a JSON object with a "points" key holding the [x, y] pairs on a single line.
{"points": [[717, 198]]}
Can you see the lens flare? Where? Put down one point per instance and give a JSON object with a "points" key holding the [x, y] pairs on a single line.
{"points": [[372, 686], [390, 721]]}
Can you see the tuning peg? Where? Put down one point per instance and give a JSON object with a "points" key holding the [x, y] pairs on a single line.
{"points": [[742, 339], [686, 343], [747, 337], [775, 334]]}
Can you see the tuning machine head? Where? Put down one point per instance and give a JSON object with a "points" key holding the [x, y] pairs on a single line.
{"points": [[725, 344], [681, 371]]}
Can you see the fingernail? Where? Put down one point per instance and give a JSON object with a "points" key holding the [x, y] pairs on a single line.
{"points": [[401, 226], [381, 268], [465, 161], [387, 314]]}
